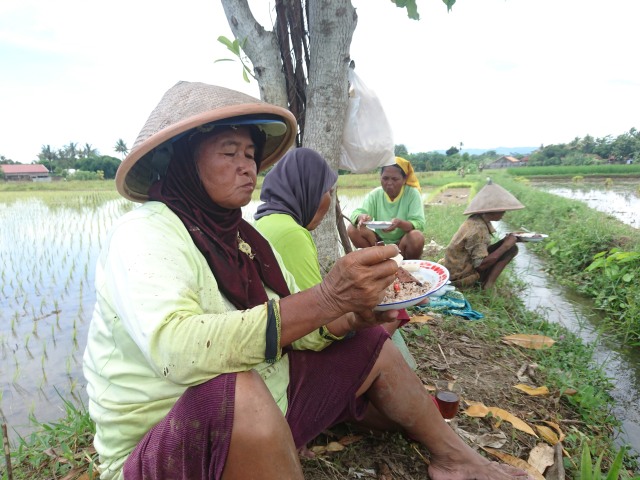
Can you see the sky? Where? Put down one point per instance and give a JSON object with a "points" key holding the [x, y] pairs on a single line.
{"points": [[488, 74]]}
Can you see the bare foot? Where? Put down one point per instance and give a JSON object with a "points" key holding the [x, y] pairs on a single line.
{"points": [[304, 452], [482, 469]]}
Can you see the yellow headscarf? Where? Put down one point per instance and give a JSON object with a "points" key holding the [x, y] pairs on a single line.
{"points": [[407, 168]]}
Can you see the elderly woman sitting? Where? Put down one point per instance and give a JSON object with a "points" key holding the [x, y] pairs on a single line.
{"points": [[203, 360]]}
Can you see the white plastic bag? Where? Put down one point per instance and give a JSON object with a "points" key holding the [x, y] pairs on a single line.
{"points": [[367, 142]]}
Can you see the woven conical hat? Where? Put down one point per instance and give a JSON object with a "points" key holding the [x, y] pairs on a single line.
{"points": [[188, 105], [492, 198]]}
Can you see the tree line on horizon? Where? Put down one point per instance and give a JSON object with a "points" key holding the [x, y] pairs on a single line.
{"points": [[86, 160], [587, 150], [579, 151]]}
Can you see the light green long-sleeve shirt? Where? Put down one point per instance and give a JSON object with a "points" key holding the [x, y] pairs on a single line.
{"points": [[295, 245], [406, 206], [160, 325]]}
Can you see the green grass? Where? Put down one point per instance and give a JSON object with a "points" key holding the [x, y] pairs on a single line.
{"points": [[56, 450], [572, 170], [59, 186]]}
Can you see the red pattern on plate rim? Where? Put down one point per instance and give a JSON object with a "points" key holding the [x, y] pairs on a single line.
{"points": [[443, 274]]}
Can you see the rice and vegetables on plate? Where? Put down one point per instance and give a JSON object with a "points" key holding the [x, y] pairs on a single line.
{"points": [[405, 287]]}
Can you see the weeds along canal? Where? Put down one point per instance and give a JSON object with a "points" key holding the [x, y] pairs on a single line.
{"points": [[578, 315]]}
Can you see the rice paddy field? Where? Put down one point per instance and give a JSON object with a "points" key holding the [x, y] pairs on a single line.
{"points": [[49, 243]]}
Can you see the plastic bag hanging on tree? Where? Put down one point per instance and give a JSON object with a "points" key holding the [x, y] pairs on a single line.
{"points": [[367, 141]]}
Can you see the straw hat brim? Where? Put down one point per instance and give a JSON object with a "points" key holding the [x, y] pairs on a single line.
{"points": [[493, 198], [136, 173]]}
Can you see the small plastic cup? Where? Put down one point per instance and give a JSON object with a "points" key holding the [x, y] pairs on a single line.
{"points": [[448, 399]]}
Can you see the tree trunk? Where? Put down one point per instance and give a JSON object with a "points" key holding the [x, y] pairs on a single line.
{"points": [[331, 27], [261, 46], [331, 24]]}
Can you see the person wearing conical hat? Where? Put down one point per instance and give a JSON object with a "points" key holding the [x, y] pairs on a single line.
{"points": [[397, 201], [203, 359], [471, 257]]}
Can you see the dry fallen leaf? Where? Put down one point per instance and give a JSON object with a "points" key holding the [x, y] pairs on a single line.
{"points": [[547, 434], [421, 319], [515, 462], [534, 391], [471, 437], [557, 428], [480, 410], [349, 439], [520, 374], [536, 342], [493, 440], [318, 449], [541, 457], [335, 447]]}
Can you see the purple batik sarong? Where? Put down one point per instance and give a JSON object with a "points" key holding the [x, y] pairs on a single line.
{"points": [[193, 440]]}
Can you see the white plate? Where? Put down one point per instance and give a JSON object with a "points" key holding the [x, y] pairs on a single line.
{"points": [[377, 225], [425, 271], [530, 236]]}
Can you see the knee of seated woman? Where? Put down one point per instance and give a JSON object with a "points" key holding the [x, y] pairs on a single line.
{"points": [[254, 404]]}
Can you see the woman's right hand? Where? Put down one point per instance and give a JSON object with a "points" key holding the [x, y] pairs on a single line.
{"points": [[510, 240], [357, 281], [363, 217]]}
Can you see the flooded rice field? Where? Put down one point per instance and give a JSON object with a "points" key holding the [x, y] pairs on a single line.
{"points": [[619, 198], [49, 244]]}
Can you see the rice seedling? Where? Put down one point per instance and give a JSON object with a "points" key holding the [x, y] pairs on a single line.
{"points": [[53, 240]]}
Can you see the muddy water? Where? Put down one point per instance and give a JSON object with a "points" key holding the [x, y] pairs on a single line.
{"points": [[620, 363]]}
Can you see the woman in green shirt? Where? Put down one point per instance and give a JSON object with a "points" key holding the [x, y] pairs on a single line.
{"points": [[296, 195], [398, 201]]}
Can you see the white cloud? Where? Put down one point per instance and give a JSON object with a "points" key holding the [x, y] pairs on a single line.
{"points": [[490, 73]]}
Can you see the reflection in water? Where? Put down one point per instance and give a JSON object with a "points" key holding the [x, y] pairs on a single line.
{"points": [[48, 249], [576, 315], [620, 200]]}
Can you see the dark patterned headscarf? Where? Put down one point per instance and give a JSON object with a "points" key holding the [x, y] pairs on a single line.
{"points": [[295, 186], [215, 230]]}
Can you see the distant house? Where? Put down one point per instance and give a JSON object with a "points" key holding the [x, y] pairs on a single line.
{"points": [[25, 173], [506, 161]]}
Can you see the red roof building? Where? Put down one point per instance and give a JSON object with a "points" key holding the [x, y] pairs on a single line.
{"points": [[28, 173]]}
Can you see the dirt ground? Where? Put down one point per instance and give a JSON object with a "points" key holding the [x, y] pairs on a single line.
{"points": [[452, 196], [485, 370]]}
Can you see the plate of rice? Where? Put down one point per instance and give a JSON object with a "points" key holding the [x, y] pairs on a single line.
{"points": [[377, 225], [415, 280]]}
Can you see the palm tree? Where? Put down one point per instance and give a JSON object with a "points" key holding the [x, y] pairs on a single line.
{"points": [[46, 155], [89, 151], [121, 148], [71, 150]]}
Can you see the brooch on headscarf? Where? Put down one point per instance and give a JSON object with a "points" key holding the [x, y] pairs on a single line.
{"points": [[245, 248]]}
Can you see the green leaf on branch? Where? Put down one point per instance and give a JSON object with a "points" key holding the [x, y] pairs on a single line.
{"points": [[412, 8], [236, 47], [449, 4]]}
